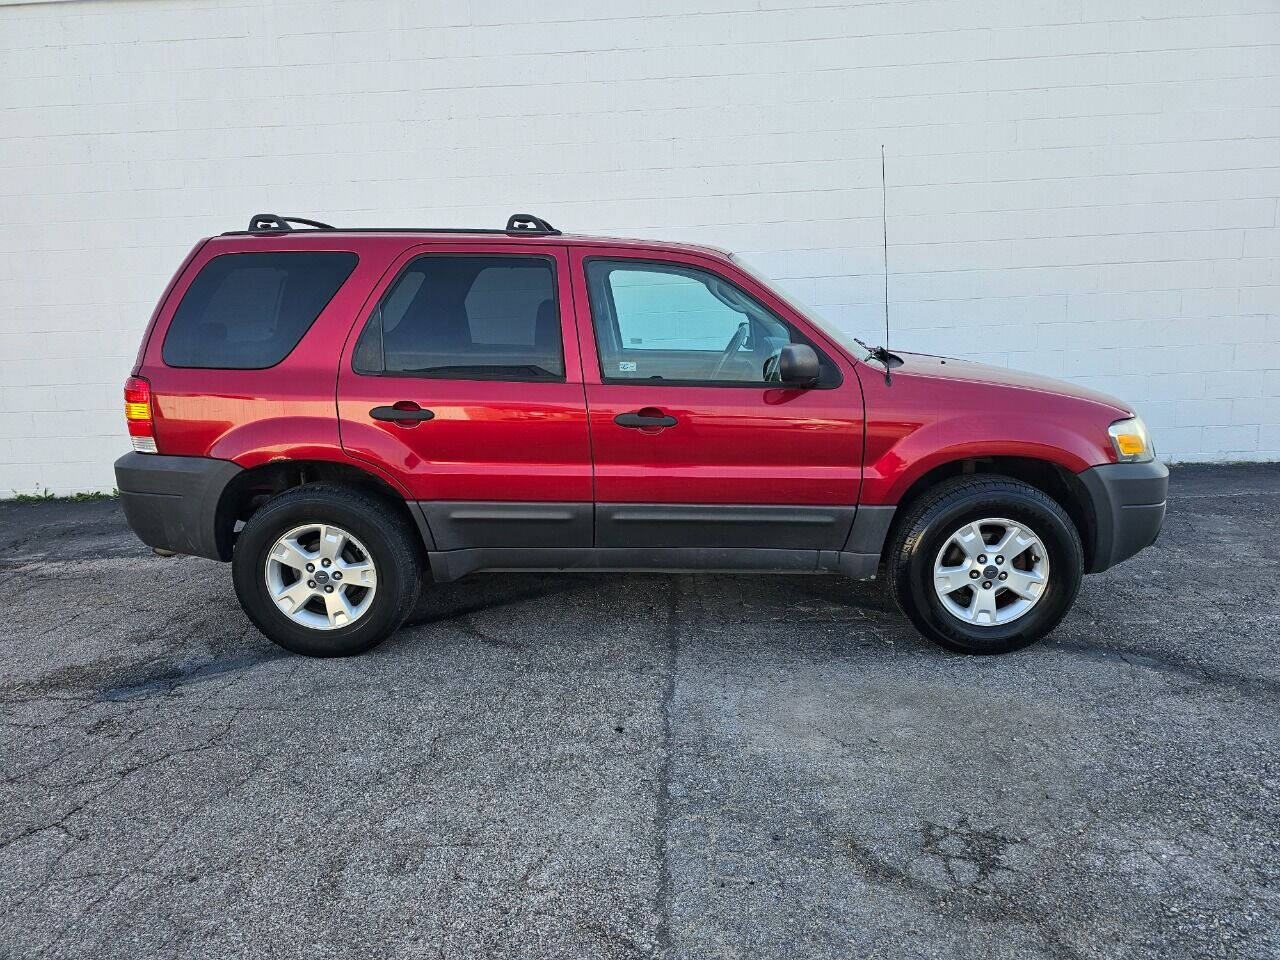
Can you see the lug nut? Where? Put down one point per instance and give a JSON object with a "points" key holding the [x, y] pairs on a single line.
{"points": [[311, 584], [999, 559], [986, 584], [982, 558], [311, 568], [1004, 576], [973, 574], [328, 589], [324, 562], [337, 575]]}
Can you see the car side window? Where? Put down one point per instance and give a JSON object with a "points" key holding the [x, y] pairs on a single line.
{"points": [[660, 321], [467, 318], [247, 311]]}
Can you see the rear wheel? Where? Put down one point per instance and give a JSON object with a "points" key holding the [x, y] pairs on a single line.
{"points": [[326, 571], [985, 564]]}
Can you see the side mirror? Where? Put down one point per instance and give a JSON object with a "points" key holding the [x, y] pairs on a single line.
{"points": [[798, 365]]}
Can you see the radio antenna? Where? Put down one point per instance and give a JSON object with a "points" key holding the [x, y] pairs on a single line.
{"points": [[884, 234], [885, 237]]}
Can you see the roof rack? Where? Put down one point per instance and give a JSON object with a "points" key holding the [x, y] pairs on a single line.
{"points": [[517, 223], [271, 223], [528, 223]]}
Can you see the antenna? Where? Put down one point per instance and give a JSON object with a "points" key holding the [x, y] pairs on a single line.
{"points": [[884, 233]]}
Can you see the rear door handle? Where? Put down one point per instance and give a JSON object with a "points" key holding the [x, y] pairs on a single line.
{"points": [[639, 421], [397, 415]]}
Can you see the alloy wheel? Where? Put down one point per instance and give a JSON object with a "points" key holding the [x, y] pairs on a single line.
{"points": [[320, 576], [991, 572]]}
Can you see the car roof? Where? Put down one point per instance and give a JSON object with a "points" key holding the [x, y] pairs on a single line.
{"points": [[411, 235], [521, 228]]}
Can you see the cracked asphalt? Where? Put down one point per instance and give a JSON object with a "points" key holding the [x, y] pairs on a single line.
{"points": [[630, 766]]}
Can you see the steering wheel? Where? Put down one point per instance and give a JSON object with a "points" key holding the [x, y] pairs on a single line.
{"points": [[733, 346], [769, 373]]}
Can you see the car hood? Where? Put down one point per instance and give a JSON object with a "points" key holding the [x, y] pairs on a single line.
{"points": [[949, 368]]}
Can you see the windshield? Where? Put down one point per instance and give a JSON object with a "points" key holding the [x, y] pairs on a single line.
{"points": [[842, 337]]}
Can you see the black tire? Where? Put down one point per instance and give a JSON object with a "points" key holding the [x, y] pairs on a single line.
{"points": [[427, 605], [388, 538], [932, 519]]}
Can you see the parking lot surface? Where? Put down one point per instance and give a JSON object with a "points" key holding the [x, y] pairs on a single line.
{"points": [[630, 766]]}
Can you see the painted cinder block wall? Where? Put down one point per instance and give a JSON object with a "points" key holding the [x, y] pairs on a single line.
{"points": [[1084, 188]]}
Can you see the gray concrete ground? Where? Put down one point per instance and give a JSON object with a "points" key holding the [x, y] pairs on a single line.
{"points": [[617, 766]]}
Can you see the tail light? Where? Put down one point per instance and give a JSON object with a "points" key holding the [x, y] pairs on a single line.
{"points": [[137, 413]]}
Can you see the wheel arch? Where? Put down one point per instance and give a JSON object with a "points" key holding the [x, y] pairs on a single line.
{"points": [[253, 487], [1049, 478]]}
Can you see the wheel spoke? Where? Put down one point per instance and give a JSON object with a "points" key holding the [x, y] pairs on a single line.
{"points": [[1027, 584], [293, 597], [951, 579], [969, 539], [332, 540], [338, 609], [982, 610], [1014, 542], [292, 554], [358, 574]]}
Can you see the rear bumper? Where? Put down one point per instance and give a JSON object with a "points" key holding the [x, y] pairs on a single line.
{"points": [[172, 502], [1128, 509]]}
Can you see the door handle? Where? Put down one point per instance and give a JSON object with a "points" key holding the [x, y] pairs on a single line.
{"points": [[399, 415], [639, 421]]}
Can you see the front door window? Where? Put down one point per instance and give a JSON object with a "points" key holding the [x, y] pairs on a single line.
{"points": [[675, 323]]}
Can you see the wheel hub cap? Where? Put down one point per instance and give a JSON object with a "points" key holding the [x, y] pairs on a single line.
{"points": [[990, 572]]}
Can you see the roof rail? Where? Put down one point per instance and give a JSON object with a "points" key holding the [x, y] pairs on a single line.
{"points": [[524, 224], [270, 222]]}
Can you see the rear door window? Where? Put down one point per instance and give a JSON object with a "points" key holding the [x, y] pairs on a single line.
{"points": [[247, 311], [467, 318]]}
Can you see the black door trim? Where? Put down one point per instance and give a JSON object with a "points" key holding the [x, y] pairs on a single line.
{"points": [[748, 527], [465, 524], [453, 525]]}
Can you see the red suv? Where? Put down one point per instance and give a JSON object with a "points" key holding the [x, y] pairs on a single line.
{"points": [[350, 415]]}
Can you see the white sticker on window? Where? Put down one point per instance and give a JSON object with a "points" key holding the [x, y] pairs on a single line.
{"points": [[626, 366]]}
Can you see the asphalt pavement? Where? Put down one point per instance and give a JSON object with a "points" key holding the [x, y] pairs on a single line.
{"points": [[634, 766]]}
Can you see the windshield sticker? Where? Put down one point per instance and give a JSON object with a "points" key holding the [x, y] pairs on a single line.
{"points": [[626, 366]]}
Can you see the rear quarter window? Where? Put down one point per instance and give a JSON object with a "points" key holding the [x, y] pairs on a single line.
{"points": [[247, 311]]}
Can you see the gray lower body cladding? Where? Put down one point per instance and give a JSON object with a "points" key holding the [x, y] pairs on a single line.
{"points": [[472, 536], [1129, 502], [171, 503]]}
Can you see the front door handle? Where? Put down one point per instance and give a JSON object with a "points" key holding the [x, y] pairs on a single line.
{"points": [[643, 419], [399, 414]]}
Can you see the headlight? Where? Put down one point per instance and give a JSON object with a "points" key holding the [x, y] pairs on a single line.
{"points": [[1130, 440]]}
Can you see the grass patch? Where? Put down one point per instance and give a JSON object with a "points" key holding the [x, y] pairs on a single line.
{"points": [[46, 495]]}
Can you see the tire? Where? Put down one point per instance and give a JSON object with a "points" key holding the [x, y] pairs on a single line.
{"points": [[427, 605], [373, 529], [932, 532]]}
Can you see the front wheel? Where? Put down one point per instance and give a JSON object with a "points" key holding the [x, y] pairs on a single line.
{"points": [[326, 571], [985, 564]]}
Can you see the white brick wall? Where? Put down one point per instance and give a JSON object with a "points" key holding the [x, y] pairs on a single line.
{"points": [[1086, 188]]}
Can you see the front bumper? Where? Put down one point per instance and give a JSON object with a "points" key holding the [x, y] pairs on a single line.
{"points": [[1128, 508], [172, 502]]}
